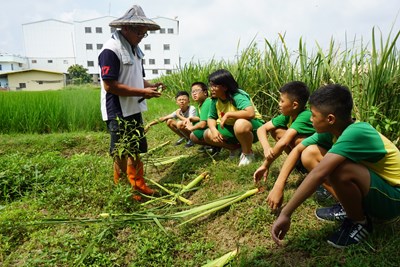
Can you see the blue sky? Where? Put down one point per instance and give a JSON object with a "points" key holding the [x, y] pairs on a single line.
{"points": [[216, 28]]}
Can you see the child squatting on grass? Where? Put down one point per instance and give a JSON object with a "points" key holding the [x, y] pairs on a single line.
{"points": [[362, 166], [198, 124], [288, 129], [176, 121], [233, 119]]}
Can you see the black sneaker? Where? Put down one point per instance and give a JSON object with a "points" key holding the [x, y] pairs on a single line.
{"points": [[202, 149], [180, 141], [300, 168], [350, 233], [214, 150], [334, 213], [322, 194], [189, 143]]}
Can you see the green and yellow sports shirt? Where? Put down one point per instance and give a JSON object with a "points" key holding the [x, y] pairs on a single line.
{"points": [[363, 144], [302, 124], [241, 100]]}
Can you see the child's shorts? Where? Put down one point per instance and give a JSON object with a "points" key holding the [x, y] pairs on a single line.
{"points": [[199, 133], [229, 133], [383, 200]]}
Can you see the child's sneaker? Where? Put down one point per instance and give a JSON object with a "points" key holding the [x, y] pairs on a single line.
{"points": [[234, 153], [180, 141], [189, 143], [246, 159], [350, 233], [322, 194], [214, 150], [300, 168], [334, 213]]}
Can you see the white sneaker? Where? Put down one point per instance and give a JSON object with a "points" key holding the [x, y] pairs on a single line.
{"points": [[234, 153], [246, 159]]}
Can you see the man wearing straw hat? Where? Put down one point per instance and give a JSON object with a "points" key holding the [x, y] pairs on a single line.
{"points": [[122, 88]]}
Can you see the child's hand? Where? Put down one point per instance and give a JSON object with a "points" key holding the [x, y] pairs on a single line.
{"points": [[223, 120], [217, 137], [269, 154], [260, 172], [275, 199], [279, 228]]}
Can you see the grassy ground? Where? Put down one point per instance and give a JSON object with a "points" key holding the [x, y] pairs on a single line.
{"points": [[69, 176]]}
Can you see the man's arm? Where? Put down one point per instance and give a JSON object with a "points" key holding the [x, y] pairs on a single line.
{"points": [[117, 88]]}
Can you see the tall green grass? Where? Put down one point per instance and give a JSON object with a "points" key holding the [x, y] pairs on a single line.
{"points": [[50, 111], [371, 71]]}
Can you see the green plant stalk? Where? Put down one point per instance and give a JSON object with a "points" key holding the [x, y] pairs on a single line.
{"points": [[202, 208], [184, 200], [171, 160], [223, 260], [194, 182], [227, 203], [150, 151]]}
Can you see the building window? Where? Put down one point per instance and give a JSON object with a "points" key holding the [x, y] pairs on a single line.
{"points": [[162, 30], [89, 47], [12, 66], [88, 30], [20, 65], [90, 63], [152, 31], [152, 61], [1, 68], [167, 61], [171, 30], [99, 30], [65, 61], [99, 46], [34, 61], [50, 61], [143, 61], [155, 71], [22, 85], [166, 47], [147, 47], [169, 71]]}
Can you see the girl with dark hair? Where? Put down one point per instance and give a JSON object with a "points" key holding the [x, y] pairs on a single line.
{"points": [[233, 119]]}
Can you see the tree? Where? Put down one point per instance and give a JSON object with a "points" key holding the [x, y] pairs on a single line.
{"points": [[79, 75]]}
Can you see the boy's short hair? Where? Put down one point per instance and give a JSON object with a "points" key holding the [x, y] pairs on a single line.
{"points": [[181, 93], [296, 91], [333, 99], [202, 85]]}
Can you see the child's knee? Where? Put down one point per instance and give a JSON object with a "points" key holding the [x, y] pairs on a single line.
{"points": [[277, 133], [242, 126]]}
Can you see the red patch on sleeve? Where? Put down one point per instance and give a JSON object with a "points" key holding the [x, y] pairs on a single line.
{"points": [[105, 70]]}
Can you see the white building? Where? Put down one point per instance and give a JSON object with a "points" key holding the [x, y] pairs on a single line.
{"points": [[55, 45], [9, 63]]}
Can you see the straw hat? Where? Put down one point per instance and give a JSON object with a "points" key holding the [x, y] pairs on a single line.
{"points": [[135, 17]]}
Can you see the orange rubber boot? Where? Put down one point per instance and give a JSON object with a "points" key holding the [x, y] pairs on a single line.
{"points": [[135, 176], [117, 173]]}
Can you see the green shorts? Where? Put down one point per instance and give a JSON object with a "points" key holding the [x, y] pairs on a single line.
{"points": [[229, 134], [199, 133], [383, 200]]}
